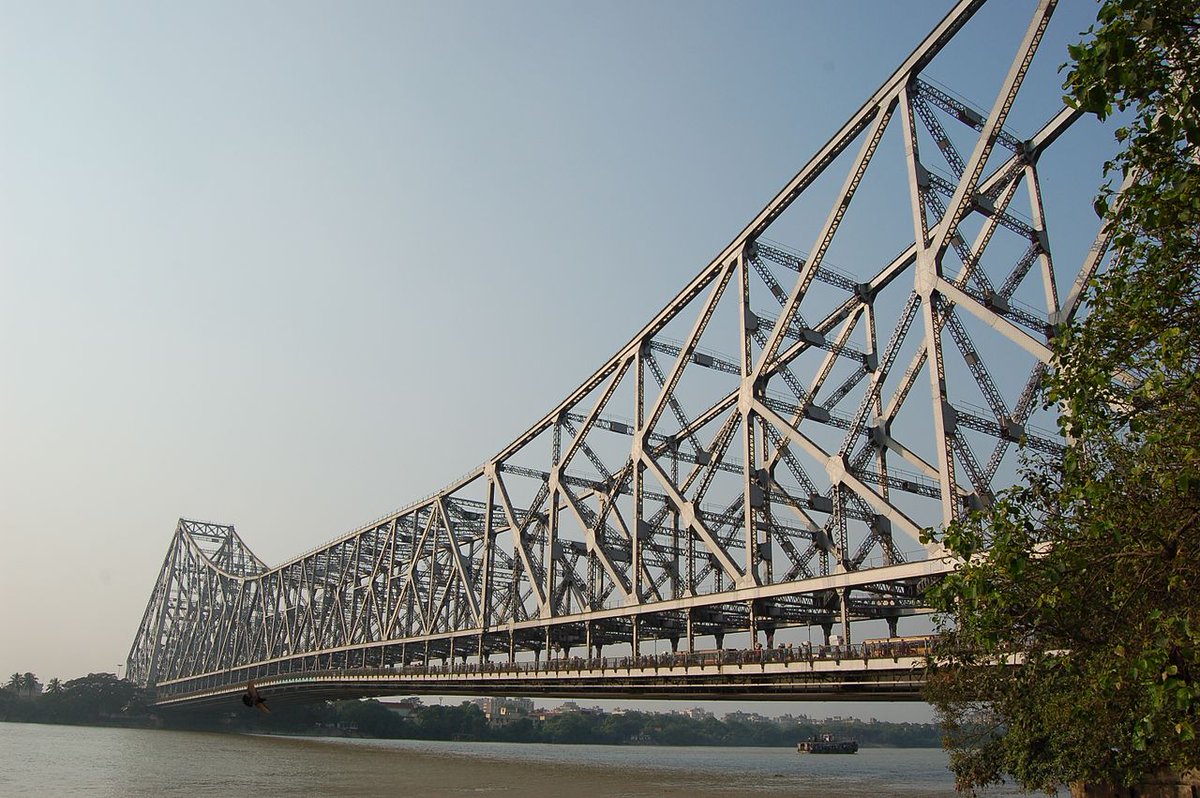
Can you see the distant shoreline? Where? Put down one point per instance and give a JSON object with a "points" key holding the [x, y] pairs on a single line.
{"points": [[159, 724], [103, 700]]}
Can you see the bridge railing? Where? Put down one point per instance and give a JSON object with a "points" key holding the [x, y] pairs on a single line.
{"points": [[731, 656]]}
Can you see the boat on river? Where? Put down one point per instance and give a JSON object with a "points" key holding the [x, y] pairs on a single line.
{"points": [[826, 744]]}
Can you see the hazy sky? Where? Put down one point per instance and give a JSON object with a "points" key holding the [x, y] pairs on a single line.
{"points": [[292, 265]]}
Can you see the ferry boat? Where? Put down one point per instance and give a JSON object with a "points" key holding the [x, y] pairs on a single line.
{"points": [[825, 744]]}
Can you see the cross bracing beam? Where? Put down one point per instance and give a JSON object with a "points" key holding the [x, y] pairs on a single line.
{"points": [[764, 453]]}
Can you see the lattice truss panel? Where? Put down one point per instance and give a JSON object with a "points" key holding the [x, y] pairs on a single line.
{"points": [[763, 454]]}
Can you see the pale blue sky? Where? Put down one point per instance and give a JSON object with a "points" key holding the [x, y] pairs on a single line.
{"points": [[289, 266]]}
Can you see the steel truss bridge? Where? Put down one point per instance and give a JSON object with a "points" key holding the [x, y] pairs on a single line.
{"points": [[762, 455]]}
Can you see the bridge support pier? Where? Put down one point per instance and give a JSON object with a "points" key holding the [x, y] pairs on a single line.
{"points": [[892, 623], [512, 647], [827, 630], [691, 636]]}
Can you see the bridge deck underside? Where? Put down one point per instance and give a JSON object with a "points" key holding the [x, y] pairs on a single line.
{"points": [[822, 679]]}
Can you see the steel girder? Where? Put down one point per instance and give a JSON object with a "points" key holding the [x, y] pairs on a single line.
{"points": [[760, 455]]}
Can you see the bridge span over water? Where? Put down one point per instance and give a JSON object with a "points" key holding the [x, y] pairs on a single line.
{"points": [[893, 672], [761, 457]]}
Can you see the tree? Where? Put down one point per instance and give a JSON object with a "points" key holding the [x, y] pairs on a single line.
{"points": [[1072, 649], [372, 718], [14, 683], [98, 696], [465, 721], [572, 727], [30, 685], [54, 686]]}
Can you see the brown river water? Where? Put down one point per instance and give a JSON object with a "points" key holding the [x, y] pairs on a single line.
{"points": [[42, 760]]}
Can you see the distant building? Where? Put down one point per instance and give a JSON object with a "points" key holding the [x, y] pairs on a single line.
{"points": [[790, 718], [500, 711], [746, 717], [404, 708], [569, 708]]}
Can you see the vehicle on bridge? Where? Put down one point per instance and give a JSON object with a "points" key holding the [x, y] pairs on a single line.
{"points": [[907, 646]]}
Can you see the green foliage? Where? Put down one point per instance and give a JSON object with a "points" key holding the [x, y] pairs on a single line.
{"points": [[95, 698], [1073, 627], [1144, 60], [371, 718], [23, 684], [574, 727], [463, 722]]}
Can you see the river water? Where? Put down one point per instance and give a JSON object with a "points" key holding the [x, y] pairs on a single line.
{"points": [[74, 760]]}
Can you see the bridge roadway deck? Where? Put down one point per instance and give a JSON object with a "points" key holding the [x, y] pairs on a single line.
{"points": [[852, 673]]}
